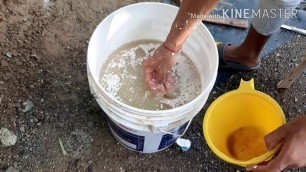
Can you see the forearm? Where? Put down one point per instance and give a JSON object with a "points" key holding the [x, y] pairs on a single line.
{"points": [[184, 24]]}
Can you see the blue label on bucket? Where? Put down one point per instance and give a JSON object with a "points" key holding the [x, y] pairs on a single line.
{"points": [[132, 141], [169, 139]]}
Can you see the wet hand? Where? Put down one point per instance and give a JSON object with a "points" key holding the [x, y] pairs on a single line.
{"points": [[293, 151], [158, 70]]}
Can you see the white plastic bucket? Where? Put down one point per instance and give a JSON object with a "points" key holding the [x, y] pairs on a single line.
{"points": [[143, 130]]}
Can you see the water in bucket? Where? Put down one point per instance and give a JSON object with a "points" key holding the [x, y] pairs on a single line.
{"points": [[122, 76]]}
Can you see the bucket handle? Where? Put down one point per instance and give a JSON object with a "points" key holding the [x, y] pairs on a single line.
{"points": [[177, 135], [246, 85]]}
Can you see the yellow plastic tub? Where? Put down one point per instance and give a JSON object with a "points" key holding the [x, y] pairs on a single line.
{"points": [[244, 107]]}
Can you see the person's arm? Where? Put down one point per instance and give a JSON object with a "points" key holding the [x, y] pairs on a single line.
{"points": [[184, 24], [158, 67]]}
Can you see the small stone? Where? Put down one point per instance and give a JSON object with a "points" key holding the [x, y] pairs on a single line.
{"points": [[22, 129], [32, 64], [22, 71], [121, 169], [32, 86], [7, 76], [17, 105], [4, 63], [18, 63], [35, 56], [1, 82], [7, 137], [15, 53], [31, 120], [39, 124], [9, 54], [90, 124], [11, 169], [90, 168], [28, 106], [15, 164], [1, 98]]}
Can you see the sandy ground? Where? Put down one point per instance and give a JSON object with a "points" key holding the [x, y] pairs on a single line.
{"points": [[43, 48]]}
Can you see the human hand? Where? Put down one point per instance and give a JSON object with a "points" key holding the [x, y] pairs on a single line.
{"points": [[293, 151], [158, 70]]}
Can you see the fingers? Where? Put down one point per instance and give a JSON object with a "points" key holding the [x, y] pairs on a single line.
{"points": [[277, 164], [275, 137], [159, 81], [158, 78], [257, 166], [151, 80], [169, 82], [169, 87], [155, 86], [165, 87], [274, 165]]}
